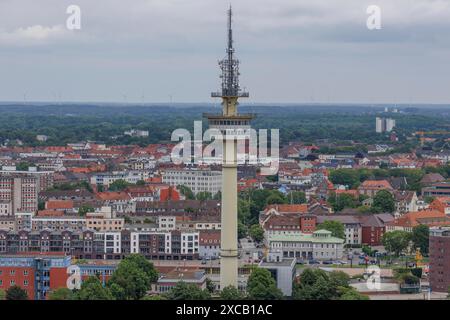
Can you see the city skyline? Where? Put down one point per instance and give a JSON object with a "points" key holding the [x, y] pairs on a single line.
{"points": [[154, 51]]}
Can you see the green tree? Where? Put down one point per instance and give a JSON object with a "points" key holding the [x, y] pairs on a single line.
{"points": [[256, 232], [140, 183], [218, 196], [2, 294], [41, 205], [154, 297], [23, 166], [383, 201], [132, 278], [184, 291], [342, 201], [262, 286], [85, 208], [92, 289], [186, 191], [118, 185], [316, 284], [204, 195], [242, 230], [336, 227], [296, 197], [61, 294], [420, 238], [396, 241], [231, 293], [16, 293], [210, 285], [352, 294], [348, 177], [276, 199]]}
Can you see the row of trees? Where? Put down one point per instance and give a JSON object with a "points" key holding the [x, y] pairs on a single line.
{"points": [[316, 284], [383, 201], [398, 241]]}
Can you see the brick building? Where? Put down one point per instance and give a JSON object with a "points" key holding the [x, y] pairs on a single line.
{"points": [[36, 273], [439, 259]]}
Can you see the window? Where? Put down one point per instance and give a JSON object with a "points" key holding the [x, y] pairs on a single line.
{"points": [[25, 272], [25, 283], [12, 272]]}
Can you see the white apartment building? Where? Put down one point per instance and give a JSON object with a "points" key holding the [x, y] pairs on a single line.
{"points": [[106, 179], [198, 180], [189, 242]]}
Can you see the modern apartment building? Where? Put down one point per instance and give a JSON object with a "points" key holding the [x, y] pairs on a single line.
{"points": [[110, 245], [36, 273], [106, 179]]}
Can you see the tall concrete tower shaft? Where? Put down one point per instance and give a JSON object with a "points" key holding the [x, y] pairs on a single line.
{"points": [[230, 122]]}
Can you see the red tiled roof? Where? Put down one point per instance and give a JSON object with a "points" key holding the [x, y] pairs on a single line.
{"points": [[59, 204], [410, 219], [113, 195], [376, 184], [288, 208]]}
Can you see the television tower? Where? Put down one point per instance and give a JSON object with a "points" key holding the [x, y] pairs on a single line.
{"points": [[231, 124]]}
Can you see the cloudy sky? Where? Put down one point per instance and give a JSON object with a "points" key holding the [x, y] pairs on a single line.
{"points": [[290, 50]]}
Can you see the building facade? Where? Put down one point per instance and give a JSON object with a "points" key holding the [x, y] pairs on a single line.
{"points": [[439, 259], [198, 180]]}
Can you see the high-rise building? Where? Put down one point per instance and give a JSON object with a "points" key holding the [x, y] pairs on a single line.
{"points": [[18, 194], [384, 125], [390, 124], [439, 259], [379, 125]]}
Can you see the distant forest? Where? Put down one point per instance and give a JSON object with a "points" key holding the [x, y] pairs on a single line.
{"points": [[69, 123]]}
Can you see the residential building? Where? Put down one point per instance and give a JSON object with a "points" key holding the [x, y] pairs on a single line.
{"points": [[405, 201], [352, 227], [36, 273], [439, 250], [410, 220], [440, 189], [209, 244], [198, 180], [18, 193], [371, 187]]}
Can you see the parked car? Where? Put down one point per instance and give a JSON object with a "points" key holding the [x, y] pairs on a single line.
{"points": [[327, 262], [314, 261], [362, 262], [300, 261], [203, 261]]}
